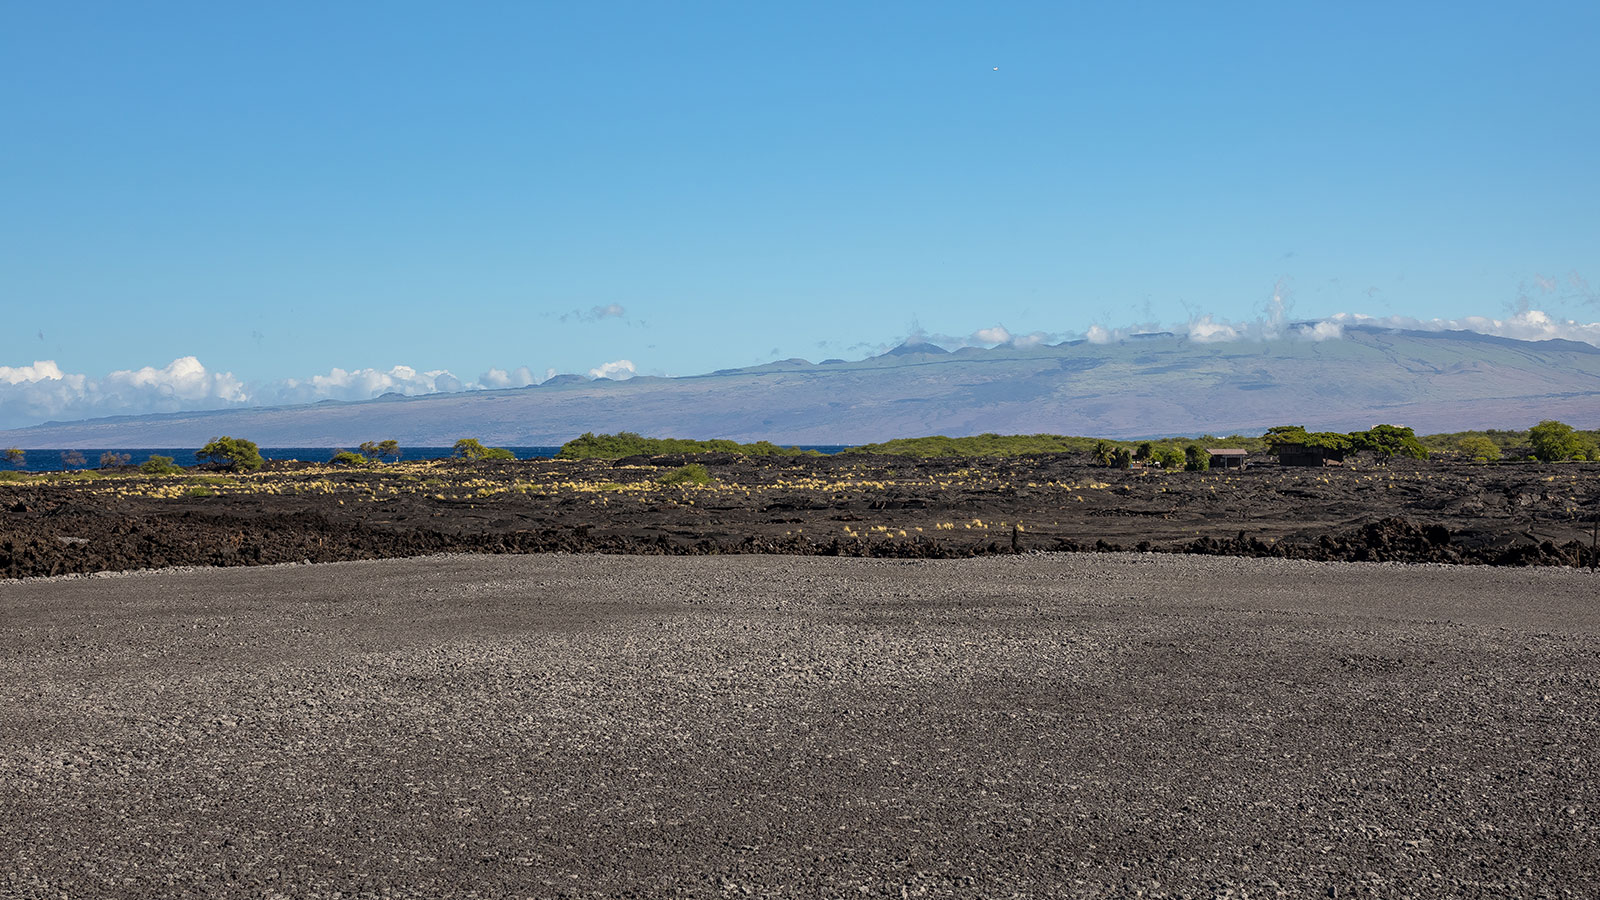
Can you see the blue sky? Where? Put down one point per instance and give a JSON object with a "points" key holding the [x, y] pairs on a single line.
{"points": [[286, 190]]}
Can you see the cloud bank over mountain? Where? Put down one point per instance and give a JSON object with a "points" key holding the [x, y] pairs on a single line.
{"points": [[43, 391]]}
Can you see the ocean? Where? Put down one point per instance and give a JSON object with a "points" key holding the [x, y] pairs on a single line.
{"points": [[56, 460]]}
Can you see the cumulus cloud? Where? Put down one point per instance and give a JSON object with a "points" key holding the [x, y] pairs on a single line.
{"points": [[1100, 334], [1326, 330], [993, 336], [1524, 325], [1205, 330], [358, 384], [41, 370], [617, 370], [522, 376], [42, 391], [596, 313], [996, 335]]}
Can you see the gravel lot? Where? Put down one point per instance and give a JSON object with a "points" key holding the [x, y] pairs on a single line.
{"points": [[602, 726]]}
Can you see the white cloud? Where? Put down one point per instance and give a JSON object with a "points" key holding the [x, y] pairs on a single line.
{"points": [[522, 376], [41, 370], [184, 380], [42, 391], [1205, 330], [618, 370], [1099, 334], [996, 335], [1525, 325], [358, 384], [1326, 330]]}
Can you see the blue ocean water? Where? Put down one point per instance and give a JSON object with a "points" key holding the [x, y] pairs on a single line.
{"points": [[53, 460]]}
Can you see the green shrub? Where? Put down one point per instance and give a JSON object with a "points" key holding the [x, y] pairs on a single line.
{"points": [[627, 443], [471, 449], [1196, 459], [1553, 441], [984, 445], [346, 458], [200, 490], [693, 473], [159, 465], [233, 453], [1168, 457], [16, 457], [375, 450], [1280, 435], [1478, 447], [1122, 458], [1386, 441]]}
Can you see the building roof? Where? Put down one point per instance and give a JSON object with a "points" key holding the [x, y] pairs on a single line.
{"points": [[1229, 451]]}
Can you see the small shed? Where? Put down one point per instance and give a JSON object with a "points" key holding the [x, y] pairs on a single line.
{"points": [[1227, 458], [1302, 455]]}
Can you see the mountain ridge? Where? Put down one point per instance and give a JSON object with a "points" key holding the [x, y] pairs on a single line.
{"points": [[1157, 384]]}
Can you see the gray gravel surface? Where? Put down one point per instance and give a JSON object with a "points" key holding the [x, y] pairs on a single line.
{"points": [[591, 726]]}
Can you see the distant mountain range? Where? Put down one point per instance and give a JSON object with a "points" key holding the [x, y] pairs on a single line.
{"points": [[1146, 386]]}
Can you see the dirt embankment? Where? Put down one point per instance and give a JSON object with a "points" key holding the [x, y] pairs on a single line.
{"points": [[842, 506]]}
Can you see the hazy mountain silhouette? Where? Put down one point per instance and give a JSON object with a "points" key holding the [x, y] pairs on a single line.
{"points": [[1156, 385]]}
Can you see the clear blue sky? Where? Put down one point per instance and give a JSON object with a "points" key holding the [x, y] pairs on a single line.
{"points": [[280, 189]]}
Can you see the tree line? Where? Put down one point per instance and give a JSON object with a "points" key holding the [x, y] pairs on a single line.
{"points": [[1549, 441]]}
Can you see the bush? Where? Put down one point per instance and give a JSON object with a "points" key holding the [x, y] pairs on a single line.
{"points": [[233, 453], [1122, 458], [471, 449], [375, 450], [346, 458], [1386, 441], [1102, 450], [112, 459], [73, 459], [627, 443], [16, 457], [693, 473], [1281, 435], [1169, 458], [1479, 448], [1196, 459], [1553, 441], [159, 465]]}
